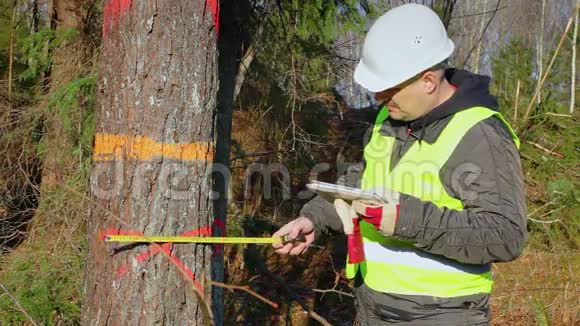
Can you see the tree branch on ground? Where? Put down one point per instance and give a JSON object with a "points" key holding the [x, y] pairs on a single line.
{"points": [[291, 292], [17, 303]]}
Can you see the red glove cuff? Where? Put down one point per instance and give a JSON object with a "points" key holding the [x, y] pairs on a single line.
{"points": [[374, 215], [356, 253]]}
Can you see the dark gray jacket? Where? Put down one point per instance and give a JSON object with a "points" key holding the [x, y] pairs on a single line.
{"points": [[484, 172]]}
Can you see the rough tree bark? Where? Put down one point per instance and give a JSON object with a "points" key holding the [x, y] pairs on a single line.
{"points": [[154, 148]]}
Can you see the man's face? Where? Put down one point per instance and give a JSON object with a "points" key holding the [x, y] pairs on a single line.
{"points": [[406, 101]]}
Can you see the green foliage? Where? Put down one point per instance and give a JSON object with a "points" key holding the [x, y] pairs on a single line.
{"points": [[45, 273], [322, 21], [513, 64], [297, 62], [37, 48], [47, 285], [298, 43], [46, 278], [73, 105], [66, 99], [5, 28], [542, 313], [552, 194], [564, 189]]}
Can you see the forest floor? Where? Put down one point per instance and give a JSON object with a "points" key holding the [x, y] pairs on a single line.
{"points": [[538, 288]]}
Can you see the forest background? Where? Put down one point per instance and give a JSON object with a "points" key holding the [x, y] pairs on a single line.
{"points": [[295, 104]]}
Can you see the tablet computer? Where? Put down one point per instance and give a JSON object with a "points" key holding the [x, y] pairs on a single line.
{"points": [[331, 191]]}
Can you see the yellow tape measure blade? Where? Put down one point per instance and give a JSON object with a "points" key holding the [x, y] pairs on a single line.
{"points": [[182, 239]]}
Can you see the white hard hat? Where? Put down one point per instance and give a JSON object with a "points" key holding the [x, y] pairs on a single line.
{"points": [[402, 43]]}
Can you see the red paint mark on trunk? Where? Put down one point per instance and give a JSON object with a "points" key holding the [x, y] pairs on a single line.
{"points": [[166, 248], [214, 7], [112, 11]]}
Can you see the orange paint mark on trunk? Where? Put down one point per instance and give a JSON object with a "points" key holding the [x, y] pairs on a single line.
{"points": [[110, 147], [112, 11]]}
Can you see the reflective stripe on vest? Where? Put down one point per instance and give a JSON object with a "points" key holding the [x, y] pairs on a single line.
{"points": [[395, 266]]}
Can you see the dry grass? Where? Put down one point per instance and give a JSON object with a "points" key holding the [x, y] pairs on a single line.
{"points": [[18, 192], [536, 286]]}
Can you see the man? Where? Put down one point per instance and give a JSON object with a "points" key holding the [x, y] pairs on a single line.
{"points": [[450, 166]]}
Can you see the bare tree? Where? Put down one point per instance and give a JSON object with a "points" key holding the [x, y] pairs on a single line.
{"points": [[573, 78], [154, 148], [11, 51], [540, 49], [479, 44]]}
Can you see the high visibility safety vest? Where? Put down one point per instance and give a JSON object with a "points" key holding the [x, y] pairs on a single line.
{"points": [[395, 266]]}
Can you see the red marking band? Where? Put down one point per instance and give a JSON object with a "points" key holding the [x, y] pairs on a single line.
{"points": [[112, 11], [356, 253], [166, 248], [214, 6]]}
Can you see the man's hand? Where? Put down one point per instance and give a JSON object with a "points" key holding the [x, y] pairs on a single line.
{"points": [[301, 225]]}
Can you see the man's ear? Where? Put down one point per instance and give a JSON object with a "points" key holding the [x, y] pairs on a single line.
{"points": [[430, 81]]}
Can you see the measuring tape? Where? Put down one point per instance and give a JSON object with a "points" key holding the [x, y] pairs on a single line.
{"points": [[221, 240]]}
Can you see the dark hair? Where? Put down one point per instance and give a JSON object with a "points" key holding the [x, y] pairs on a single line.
{"points": [[443, 65]]}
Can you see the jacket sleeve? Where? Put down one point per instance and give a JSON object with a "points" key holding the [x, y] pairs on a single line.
{"points": [[484, 172], [322, 212]]}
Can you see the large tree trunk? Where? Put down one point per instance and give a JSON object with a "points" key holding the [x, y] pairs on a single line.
{"points": [[154, 147], [234, 15]]}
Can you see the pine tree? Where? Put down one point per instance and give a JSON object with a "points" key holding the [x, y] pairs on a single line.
{"points": [[154, 147]]}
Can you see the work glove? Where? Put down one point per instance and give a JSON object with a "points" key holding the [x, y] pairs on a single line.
{"points": [[383, 216], [350, 224]]}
